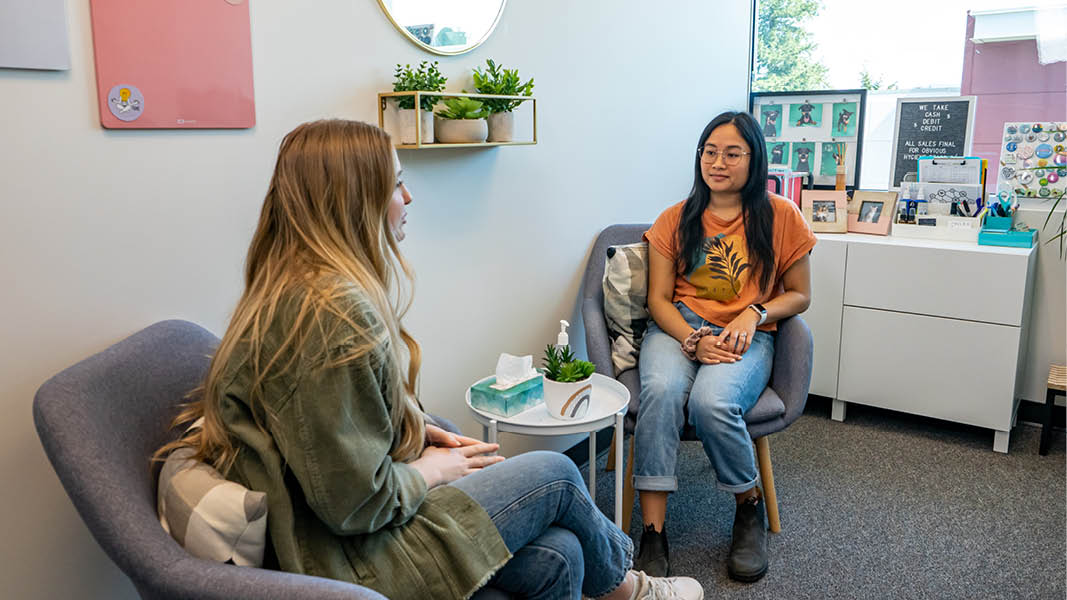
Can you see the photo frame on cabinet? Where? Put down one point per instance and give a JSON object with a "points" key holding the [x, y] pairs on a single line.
{"points": [[825, 210], [871, 212], [803, 126]]}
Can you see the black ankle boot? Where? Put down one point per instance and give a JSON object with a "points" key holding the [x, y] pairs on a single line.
{"points": [[748, 549], [654, 556]]}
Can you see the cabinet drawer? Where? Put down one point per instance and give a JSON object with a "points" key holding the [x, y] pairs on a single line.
{"points": [[960, 371], [976, 285]]}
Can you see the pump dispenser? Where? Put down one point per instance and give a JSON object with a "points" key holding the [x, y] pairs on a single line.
{"points": [[562, 340]]}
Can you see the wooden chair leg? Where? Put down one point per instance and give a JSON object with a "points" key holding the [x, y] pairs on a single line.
{"points": [[1046, 427], [763, 457], [628, 490], [611, 454]]}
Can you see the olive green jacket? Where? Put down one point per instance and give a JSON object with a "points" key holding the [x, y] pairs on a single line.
{"points": [[339, 506]]}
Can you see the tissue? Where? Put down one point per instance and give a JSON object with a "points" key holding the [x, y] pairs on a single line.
{"points": [[516, 387], [512, 370]]}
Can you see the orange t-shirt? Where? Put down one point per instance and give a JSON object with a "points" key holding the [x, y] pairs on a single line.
{"points": [[723, 284]]}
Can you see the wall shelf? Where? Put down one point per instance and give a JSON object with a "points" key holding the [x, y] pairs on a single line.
{"points": [[386, 108]]}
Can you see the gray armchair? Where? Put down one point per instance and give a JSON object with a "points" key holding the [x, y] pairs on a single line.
{"points": [[779, 405], [99, 422]]}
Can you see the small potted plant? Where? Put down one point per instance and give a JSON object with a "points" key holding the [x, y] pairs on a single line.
{"points": [[568, 389], [462, 121], [425, 78], [504, 82]]}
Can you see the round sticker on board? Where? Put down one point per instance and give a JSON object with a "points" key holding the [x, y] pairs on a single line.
{"points": [[125, 102]]}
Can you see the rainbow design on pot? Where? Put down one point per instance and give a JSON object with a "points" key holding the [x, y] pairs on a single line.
{"points": [[568, 401]]}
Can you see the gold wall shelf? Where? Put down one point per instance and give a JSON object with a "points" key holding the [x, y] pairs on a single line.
{"points": [[420, 145]]}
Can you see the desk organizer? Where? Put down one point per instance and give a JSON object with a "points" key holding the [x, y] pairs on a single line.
{"points": [[997, 231], [511, 401], [957, 229]]}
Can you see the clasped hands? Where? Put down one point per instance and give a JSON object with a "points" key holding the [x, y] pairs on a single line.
{"points": [[450, 456], [732, 342]]}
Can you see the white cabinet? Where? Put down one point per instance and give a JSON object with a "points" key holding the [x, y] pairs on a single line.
{"points": [[824, 314], [925, 327]]}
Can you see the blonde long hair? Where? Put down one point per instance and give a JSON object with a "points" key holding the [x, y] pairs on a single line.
{"points": [[322, 232]]}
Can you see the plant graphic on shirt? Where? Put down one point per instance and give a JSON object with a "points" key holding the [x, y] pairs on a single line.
{"points": [[725, 263]]}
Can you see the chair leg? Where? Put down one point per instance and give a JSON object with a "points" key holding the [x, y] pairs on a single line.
{"points": [[763, 457], [611, 454], [1046, 427], [628, 490]]}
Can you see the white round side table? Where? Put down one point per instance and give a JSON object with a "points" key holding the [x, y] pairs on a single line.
{"points": [[607, 406]]}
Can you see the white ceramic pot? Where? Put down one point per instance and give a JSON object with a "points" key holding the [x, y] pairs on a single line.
{"points": [[407, 125], [568, 401], [502, 127], [461, 131]]}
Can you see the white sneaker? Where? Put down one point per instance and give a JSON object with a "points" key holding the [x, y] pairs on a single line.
{"points": [[667, 588]]}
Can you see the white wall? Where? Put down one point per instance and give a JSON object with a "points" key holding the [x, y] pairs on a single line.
{"points": [[105, 232]]}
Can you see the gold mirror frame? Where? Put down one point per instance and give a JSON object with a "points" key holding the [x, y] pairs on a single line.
{"points": [[429, 48]]}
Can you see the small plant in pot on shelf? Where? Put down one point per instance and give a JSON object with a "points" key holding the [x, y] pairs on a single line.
{"points": [[425, 78], [504, 82], [568, 388], [462, 121]]}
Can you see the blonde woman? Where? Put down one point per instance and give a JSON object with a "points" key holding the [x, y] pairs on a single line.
{"points": [[311, 398]]}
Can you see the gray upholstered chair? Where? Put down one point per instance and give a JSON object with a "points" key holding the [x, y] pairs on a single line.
{"points": [[99, 422], [779, 405]]}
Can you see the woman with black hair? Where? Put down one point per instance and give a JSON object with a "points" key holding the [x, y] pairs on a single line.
{"points": [[725, 265]]}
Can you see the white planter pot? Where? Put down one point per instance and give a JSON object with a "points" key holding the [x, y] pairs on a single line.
{"points": [[568, 401], [461, 131], [407, 125], [502, 127]]}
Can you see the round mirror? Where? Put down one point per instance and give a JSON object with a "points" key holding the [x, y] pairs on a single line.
{"points": [[445, 26]]}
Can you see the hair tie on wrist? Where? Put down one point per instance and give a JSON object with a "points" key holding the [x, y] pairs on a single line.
{"points": [[689, 345]]}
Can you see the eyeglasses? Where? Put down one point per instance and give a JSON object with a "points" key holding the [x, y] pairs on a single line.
{"points": [[730, 156]]}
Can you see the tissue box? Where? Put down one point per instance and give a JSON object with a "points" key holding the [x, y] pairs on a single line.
{"points": [[511, 401]]}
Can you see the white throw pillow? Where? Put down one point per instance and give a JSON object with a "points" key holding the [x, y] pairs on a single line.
{"points": [[210, 517]]}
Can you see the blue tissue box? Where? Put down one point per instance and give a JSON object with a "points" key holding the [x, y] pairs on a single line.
{"points": [[511, 401]]}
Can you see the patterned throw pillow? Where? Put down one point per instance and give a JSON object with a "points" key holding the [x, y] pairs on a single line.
{"points": [[210, 517], [625, 302]]}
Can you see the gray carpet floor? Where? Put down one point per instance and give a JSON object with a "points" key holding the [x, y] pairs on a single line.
{"points": [[883, 505]]}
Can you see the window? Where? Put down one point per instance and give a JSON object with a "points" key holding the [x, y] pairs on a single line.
{"points": [[908, 48]]}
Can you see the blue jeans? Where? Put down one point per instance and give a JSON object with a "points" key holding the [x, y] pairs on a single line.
{"points": [[562, 545], [718, 397]]}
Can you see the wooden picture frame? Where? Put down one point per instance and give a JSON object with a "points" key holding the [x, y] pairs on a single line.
{"points": [[871, 212], [806, 130], [825, 210]]}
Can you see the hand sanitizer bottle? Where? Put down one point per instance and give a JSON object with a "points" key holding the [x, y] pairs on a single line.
{"points": [[562, 341]]}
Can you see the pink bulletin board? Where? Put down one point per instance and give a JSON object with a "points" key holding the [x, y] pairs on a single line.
{"points": [[173, 64]]}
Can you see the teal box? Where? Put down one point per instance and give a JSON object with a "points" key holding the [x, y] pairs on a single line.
{"points": [[1011, 239], [511, 401]]}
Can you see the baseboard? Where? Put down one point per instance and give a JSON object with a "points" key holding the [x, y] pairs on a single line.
{"points": [[1029, 412]]}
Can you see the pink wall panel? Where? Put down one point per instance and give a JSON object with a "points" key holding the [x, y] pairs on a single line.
{"points": [[994, 110], [1010, 85], [1013, 66]]}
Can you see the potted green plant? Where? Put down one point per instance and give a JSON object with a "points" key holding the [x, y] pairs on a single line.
{"points": [[425, 78], [462, 121], [504, 82], [568, 389]]}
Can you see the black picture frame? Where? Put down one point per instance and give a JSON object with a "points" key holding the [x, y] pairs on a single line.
{"points": [[821, 133]]}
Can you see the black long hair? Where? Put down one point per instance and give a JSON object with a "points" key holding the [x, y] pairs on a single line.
{"points": [[756, 209]]}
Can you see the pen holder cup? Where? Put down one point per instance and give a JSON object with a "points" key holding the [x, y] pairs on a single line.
{"points": [[998, 223]]}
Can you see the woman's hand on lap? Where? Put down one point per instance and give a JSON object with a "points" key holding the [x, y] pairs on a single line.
{"points": [[709, 353], [435, 436], [736, 337], [439, 466]]}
